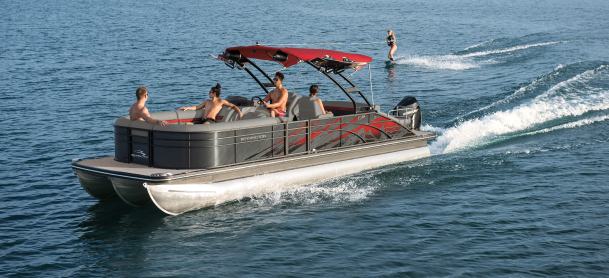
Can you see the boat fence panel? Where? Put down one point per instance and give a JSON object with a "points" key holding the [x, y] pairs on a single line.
{"points": [[209, 149]]}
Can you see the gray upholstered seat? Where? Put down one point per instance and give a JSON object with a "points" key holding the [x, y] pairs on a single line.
{"points": [[310, 109], [292, 107]]}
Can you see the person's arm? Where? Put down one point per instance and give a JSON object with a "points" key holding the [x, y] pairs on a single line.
{"points": [[266, 99], [151, 120], [283, 100], [393, 37], [198, 107], [224, 102], [188, 108], [321, 105]]}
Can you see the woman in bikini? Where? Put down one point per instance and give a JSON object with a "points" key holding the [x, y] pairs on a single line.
{"points": [[391, 43]]}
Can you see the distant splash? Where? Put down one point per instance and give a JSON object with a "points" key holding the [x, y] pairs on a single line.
{"points": [[462, 61], [575, 97]]}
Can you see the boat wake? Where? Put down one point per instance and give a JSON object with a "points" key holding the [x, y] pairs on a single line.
{"points": [[521, 92], [465, 59], [583, 93]]}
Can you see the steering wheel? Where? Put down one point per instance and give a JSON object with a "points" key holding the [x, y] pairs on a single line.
{"points": [[259, 98]]}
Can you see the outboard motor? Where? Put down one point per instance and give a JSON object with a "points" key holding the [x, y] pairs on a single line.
{"points": [[408, 107]]}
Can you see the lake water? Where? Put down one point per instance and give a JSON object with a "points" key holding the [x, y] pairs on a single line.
{"points": [[517, 184]]}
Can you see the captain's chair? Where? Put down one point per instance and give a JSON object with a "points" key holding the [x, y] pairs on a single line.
{"points": [[310, 109], [292, 107]]}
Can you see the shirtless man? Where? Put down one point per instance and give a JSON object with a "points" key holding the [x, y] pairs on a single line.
{"points": [[139, 112], [212, 106], [279, 98]]}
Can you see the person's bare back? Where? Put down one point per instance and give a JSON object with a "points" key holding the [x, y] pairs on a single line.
{"points": [[138, 110]]}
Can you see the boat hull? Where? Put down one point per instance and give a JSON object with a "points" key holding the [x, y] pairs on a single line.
{"points": [[131, 191], [176, 199], [98, 186], [176, 191]]}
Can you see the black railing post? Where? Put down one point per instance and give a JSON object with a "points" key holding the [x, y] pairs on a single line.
{"points": [[129, 146], [285, 139], [308, 136], [149, 148]]}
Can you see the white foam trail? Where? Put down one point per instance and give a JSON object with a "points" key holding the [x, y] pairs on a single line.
{"points": [[571, 97], [478, 45], [483, 53], [459, 62], [521, 91], [452, 62], [571, 125]]}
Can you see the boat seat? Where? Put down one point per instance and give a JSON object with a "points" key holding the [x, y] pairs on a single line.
{"points": [[258, 112], [227, 114], [292, 107], [310, 109]]}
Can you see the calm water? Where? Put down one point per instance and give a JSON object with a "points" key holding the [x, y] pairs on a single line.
{"points": [[517, 184]]}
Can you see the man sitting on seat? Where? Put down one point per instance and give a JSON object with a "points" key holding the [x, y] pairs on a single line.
{"points": [[138, 110], [212, 106], [278, 97]]}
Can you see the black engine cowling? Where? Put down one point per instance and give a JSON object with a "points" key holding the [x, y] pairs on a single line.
{"points": [[410, 102]]}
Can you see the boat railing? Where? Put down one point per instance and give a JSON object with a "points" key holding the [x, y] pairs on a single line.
{"points": [[403, 111], [208, 149]]}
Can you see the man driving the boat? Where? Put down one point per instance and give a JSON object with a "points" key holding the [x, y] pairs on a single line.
{"points": [[138, 110], [212, 106], [278, 98]]}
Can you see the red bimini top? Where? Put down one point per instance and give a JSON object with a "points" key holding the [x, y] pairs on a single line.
{"points": [[294, 55]]}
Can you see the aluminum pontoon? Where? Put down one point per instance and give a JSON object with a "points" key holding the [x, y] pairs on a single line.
{"points": [[180, 167]]}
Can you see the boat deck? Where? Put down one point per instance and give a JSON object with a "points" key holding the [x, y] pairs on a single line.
{"points": [[109, 164]]}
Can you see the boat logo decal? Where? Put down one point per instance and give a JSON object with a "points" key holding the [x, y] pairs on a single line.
{"points": [[255, 137], [139, 154]]}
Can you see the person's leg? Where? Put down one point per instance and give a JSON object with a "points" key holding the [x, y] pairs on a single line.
{"points": [[393, 48], [273, 112]]}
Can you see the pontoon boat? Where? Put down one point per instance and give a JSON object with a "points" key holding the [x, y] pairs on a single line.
{"points": [[180, 167]]}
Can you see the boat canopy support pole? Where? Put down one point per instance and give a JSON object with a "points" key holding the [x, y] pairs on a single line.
{"points": [[294, 89], [253, 76], [355, 89], [370, 75], [347, 91]]}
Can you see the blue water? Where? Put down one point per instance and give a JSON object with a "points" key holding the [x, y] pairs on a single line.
{"points": [[517, 186]]}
